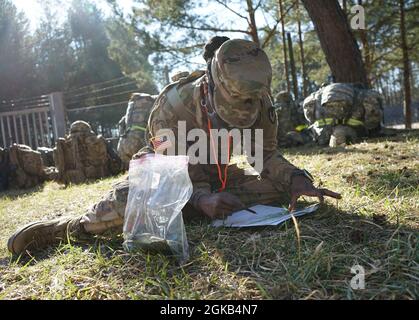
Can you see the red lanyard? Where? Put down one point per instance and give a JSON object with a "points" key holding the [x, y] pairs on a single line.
{"points": [[212, 147], [222, 179]]}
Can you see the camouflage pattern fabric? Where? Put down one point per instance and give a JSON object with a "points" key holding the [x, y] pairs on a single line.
{"points": [[108, 213], [181, 101], [342, 135], [26, 167], [284, 106], [82, 155], [310, 104], [372, 102], [343, 105], [337, 100], [272, 184], [132, 126], [242, 75], [291, 121], [47, 155]]}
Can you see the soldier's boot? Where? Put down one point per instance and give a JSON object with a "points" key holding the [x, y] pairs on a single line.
{"points": [[41, 234]]}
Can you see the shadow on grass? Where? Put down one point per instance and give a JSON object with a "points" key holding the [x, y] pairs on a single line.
{"points": [[313, 149], [386, 181], [316, 150], [16, 193], [270, 262], [318, 262]]}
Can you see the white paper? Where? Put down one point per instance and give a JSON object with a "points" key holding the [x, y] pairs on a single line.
{"points": [[265, 216]]}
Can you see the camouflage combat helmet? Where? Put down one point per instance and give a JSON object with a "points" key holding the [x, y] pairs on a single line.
{"points": [[80, 127], [242, 74]]}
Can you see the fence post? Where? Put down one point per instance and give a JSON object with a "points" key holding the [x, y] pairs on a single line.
{"points": [[58, 114]]}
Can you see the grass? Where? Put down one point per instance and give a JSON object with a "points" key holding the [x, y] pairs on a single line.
{"points": [[375, 225]]}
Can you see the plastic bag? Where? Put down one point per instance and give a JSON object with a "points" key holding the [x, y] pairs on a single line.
{"points": [[159, 187]]}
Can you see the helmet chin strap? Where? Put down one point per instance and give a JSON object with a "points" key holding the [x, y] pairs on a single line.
{"points": [[207, 105]]}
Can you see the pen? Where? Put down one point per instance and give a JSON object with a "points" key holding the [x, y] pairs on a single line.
{"points": [[250, 210]]}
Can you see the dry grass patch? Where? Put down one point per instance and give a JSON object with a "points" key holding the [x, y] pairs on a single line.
{"points": [[375, 225]]}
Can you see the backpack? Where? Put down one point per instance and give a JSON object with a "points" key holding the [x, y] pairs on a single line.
{"points": [[82, 155], [337, 100], [133, 126], [27, 168]]}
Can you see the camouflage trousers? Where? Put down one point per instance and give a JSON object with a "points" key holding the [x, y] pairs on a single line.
{"points": [[109, 212]]}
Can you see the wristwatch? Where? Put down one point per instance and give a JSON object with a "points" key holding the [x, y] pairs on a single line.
{"points": [[303, 172]]}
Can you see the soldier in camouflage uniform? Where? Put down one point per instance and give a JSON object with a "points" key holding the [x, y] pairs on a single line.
{"points": [[291, 121], [133, 125], [283, 108], [342, 113], [234, 92]]}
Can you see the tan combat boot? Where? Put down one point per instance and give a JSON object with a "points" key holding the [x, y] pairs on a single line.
{"points": [[38, 235]]}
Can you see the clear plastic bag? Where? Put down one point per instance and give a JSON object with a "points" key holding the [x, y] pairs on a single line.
{"points": [[159, 187]]}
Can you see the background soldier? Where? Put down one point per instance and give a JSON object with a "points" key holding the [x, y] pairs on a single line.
{"points": [[292, 125], [132, 126], [342, 113], [232, 93]]}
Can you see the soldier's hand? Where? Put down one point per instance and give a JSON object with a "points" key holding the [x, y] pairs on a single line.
{"points": [[219, 205], [302, 186]]}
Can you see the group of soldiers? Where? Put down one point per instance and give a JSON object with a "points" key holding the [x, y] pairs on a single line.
{"points": [[334, 115], [234, 92]]}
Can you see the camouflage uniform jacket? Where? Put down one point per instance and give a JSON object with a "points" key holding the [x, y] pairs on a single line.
{"points": [[181, 101]]}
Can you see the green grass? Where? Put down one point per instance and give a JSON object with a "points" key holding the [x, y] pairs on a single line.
{"points": [[375, 225]]}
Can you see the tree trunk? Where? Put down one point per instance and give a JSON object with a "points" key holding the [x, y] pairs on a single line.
{"points": [[345, 7], [284, 45], [406, 69], [301, 44], [252, 22], [363, 35], [337, 41], [166, 75], [292, 64]]}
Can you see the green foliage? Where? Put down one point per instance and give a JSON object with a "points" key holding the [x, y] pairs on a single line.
{"points": [[66, 52], [382, 51], [90, 43], [16, 57], [131, 55], [55, 57], [159, 37]]}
